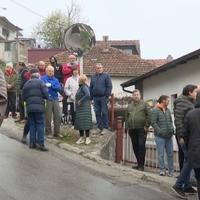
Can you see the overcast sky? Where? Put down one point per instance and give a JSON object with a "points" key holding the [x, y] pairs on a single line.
{"points": [[162, 26]]}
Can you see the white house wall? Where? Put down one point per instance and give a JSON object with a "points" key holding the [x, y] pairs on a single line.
{"points": [[172, 81]]}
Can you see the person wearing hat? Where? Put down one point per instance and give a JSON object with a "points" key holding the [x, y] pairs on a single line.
{"points": [[34, 94], [11, 81]]}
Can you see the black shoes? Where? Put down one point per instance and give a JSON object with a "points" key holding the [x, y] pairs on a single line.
{"points": [[179, 192], [32, 146], [139, 168], [41, 147], [134, 167], [190, 190], [23, 140]]}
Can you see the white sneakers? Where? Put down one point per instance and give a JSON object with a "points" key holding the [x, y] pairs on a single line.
{"points": [[87, 141], [81, 140], [104, 131], [97, 131]]}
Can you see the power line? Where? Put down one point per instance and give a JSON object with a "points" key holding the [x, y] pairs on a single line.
{"points": [[26, 8]]}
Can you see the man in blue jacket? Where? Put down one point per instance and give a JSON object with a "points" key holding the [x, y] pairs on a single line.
{"points": [[52, 105], [33, 93], [100, 89]]}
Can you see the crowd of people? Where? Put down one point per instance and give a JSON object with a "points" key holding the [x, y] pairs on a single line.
{"points": [[36, 90], [140, 116]]}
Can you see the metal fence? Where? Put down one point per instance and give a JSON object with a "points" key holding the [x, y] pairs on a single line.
{"points": [[151, 160]]}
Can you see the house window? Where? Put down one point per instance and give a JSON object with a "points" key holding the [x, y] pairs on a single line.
{"points": [[5, 32], [7, 46], [173, 98]]}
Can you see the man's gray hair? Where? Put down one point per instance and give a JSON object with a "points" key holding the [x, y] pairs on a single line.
{"points": [[99, 65], [35, 75]]}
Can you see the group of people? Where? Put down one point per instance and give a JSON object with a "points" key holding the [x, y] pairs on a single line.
{"points": [[139, 117], [38, 88]]}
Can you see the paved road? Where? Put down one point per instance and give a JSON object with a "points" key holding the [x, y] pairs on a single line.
{"points": [[33, 175]]}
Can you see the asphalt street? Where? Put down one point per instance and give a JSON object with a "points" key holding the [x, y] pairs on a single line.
{"points": [[33, 175]]}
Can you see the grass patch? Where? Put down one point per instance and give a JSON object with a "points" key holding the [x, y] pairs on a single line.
{"points": [[70, 138]]}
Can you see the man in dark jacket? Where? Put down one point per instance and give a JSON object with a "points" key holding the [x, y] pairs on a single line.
{"points": [[182, 106], [137, 121], [34, 92], [100, 91], [191, 134]]}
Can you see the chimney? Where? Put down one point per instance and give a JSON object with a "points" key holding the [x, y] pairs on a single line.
{"points": [[169, 58], [105, 39]]}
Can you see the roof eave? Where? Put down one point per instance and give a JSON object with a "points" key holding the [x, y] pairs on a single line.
{"points": [[181, 60]]}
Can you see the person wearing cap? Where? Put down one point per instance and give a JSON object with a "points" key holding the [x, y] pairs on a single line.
{"points": [[52, 105], [11, 81], [34, 94], [70, 89]]}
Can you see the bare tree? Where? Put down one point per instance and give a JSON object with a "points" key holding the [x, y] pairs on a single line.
{"points": [[50, 30]]}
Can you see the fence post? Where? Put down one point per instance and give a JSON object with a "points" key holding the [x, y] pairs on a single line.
{"points": [[112, 112], [119, 140]]}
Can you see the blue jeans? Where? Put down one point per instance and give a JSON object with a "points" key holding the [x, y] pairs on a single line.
{"points": [[183, 180], [164, 144], [101, 111], [36, 122]]}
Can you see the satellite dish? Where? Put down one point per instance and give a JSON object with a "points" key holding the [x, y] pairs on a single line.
{"points": [[79, 38]]}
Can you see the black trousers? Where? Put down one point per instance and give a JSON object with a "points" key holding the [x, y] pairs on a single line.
{"points": [[138, 139], [180, 155], [87, 133], [11, 107], [21, 108], [71, 110]]}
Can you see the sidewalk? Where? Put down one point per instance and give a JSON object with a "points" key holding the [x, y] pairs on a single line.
{"points": [[91, 152]]}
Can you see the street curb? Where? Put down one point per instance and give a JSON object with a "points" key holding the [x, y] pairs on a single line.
{"points": [[165, 182]]}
